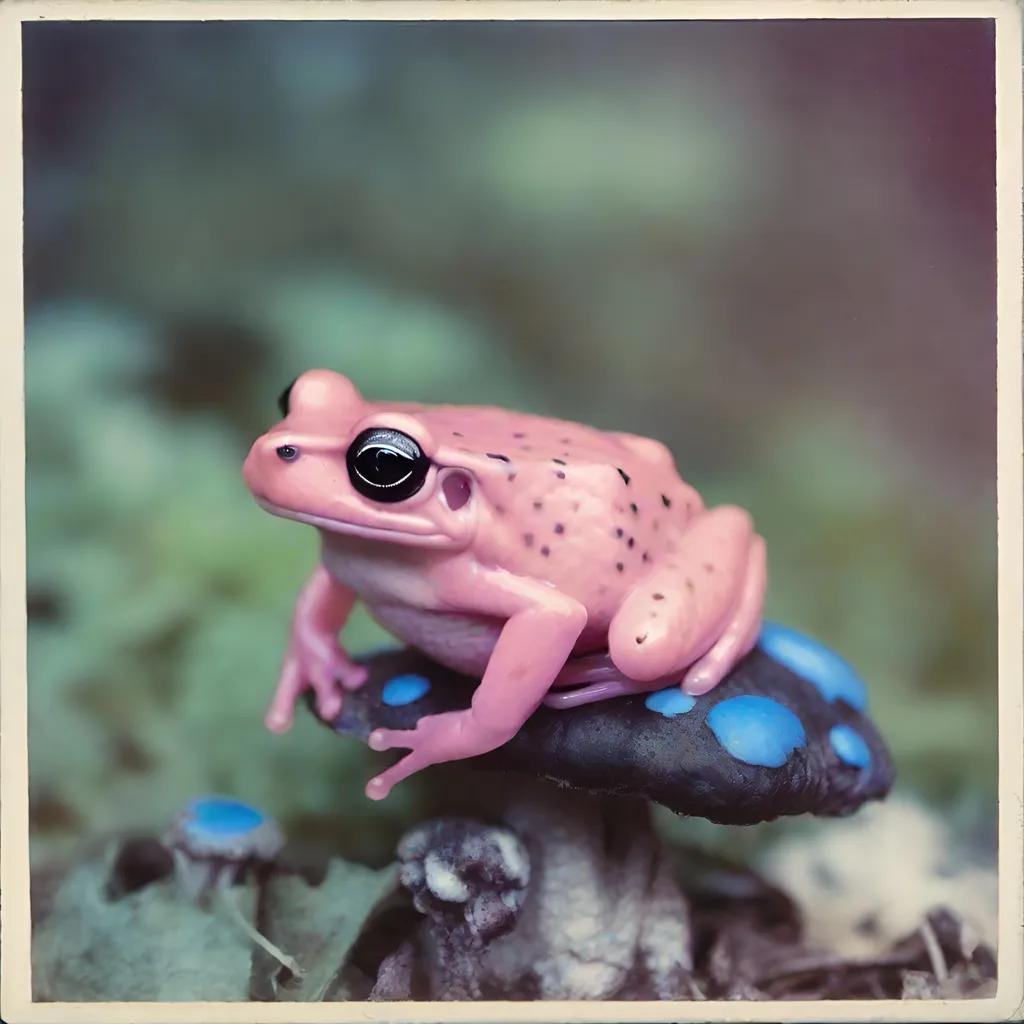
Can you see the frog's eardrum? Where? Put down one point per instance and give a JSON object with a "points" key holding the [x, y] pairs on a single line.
{"points": [[787, 732]]}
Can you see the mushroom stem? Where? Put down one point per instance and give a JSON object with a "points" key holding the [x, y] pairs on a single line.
{"points": [[226, 894], [605, 916], [194, 878], [934, 950]]}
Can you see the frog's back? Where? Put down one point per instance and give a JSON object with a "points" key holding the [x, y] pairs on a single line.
{"points": [[523, 460], [519, 437]]}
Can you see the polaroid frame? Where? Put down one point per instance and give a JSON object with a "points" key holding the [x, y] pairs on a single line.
{"points": [[15, 929]]}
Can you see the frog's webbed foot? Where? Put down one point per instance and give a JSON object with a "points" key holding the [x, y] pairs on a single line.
{"points": [[315, 659], [540, 632], [450, 736], [322, 667]]}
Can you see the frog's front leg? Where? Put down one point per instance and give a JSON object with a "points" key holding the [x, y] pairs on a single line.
{"points": [[541, 629], [700, 611], [315, 659]]}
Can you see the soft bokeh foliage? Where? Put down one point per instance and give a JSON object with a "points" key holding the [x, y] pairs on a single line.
{"points": [[770, 245]]}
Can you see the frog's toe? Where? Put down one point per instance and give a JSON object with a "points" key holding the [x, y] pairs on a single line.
{"points": [[704, 676], [328, 697], [353, 676], [329, 706], [707, 672], [278, 720], [380, 786], [280, 714], [391, 739]]}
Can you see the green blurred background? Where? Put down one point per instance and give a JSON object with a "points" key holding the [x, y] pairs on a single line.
{"points": [[769, 244]]}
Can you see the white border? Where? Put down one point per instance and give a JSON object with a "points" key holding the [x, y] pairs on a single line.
{"points": [[15, 998]]}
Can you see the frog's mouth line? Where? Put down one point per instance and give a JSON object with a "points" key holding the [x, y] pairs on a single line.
{"points": [[354, 530]]}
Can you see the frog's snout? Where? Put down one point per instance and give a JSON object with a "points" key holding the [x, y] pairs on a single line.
{"points": [[267, 459]]}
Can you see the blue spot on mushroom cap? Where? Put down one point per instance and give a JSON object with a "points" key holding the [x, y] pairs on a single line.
{"points": [[223, 816], [850, 746], [670, 702], [404, 690], [756, 730], [833, 677]]}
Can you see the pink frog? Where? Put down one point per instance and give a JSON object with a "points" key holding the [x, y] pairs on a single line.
{"points": [[535, 554]]}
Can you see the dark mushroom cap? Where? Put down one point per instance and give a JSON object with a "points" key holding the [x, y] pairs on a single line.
{"points": [[785, 733]]}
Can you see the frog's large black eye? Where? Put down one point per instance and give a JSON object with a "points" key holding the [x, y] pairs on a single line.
{"points": [[282, 401], [386, 465]]}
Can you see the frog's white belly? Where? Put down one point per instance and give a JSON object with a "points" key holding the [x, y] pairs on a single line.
{"points": [[395, 587], [398, 593], [462, 642]]}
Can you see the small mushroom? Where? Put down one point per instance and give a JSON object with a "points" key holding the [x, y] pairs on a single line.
{"points": [[214, 840], [787, 732]]}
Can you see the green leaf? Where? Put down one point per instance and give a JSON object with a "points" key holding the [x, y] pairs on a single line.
{"points": [[318, 925], [148, 946]]}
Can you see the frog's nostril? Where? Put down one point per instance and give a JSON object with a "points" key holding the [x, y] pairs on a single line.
{"points": [[287, 453]]}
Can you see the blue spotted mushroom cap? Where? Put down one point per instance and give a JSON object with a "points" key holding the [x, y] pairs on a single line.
{"points": [[223, 828], [787, 732]]}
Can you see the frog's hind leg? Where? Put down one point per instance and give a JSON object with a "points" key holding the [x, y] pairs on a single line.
{"points": [[740, 635], [656, 632], [592, 678], [702, 602], [618, 687]]}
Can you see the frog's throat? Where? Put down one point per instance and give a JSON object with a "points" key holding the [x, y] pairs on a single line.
{"points": [[353, 530]]}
